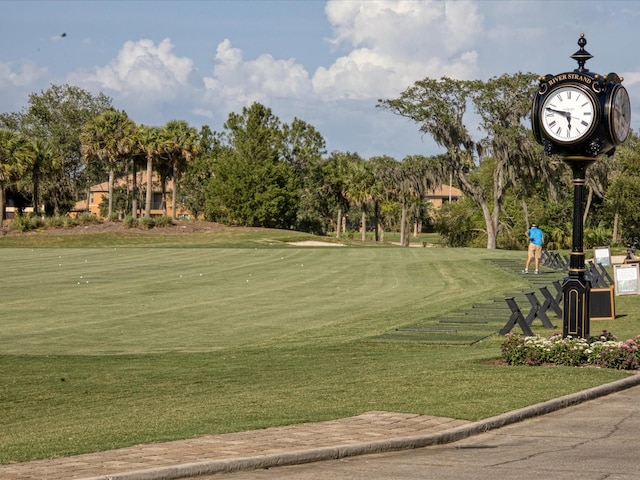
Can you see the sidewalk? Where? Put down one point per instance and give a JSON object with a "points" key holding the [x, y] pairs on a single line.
{"points": [[372, 432]]}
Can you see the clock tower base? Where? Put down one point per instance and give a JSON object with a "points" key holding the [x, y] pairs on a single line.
{"points": [[576, 293]]}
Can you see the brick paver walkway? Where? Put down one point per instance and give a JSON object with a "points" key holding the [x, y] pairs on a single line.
{"points": [[155, 461]]}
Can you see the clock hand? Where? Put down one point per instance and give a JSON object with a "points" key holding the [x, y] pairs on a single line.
{"points": [[566, 115]]}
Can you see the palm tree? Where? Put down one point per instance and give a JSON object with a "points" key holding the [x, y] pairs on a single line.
{"points": [[182, 143], [360, 190], [383, 169], [41, 157], [404, 190], [152, 144], [335, 175], [12, 163], [415, 177], [110, 138], [137, 159]]}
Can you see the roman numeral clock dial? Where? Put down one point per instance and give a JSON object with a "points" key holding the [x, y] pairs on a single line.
{"points": [[568, 114], [620, 114]]}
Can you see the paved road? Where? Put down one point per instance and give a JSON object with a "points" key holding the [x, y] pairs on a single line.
{"points": [[595, 440]]}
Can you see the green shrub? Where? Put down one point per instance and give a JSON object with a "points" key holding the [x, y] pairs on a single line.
{"points": [[130, 221], [613, 354], [595, 236], [26, 223], [163, 221], [55, 222], [87, 218], [521, 350], [147, 222], [69, 222], [568, 351], [602, 351]]}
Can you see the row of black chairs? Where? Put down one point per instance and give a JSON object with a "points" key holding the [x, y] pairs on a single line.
{"points": [[537, 310], [597, 274], [554, 260]]}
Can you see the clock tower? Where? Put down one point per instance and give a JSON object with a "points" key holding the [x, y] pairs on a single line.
{"points": [[579, 115]]}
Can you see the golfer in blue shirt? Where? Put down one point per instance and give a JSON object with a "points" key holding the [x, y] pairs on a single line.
{"points": [[536, 239]]}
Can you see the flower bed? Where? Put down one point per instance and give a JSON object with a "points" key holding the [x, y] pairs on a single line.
{"points": [[603, 351]]}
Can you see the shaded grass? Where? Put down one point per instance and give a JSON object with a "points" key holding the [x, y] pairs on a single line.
{"points": [[167, 343], [62, 405]]}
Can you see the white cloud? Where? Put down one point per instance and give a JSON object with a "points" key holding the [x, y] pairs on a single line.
{"points": [[238, 82], [631, 78], [142, 69], [24, 76], [388, 44], [418, 29], [202, 112], [18, 80], [391, 44], [356, 76]]}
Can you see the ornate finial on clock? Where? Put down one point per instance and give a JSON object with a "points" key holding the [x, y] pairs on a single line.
{"points": [[581, 56]]}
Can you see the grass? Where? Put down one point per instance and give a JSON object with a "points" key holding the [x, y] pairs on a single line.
{"points": [[113, 345], [222, 238]]}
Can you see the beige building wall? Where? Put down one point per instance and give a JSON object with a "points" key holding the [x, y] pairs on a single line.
{"points": [[97, 193]]}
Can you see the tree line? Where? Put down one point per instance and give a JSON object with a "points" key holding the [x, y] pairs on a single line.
{"points": [[259, 171]]}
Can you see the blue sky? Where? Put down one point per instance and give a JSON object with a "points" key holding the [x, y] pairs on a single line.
{"points": [[325, 62]]}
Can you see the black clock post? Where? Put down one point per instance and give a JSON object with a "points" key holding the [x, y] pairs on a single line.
{"points": [[579, 115], [576, 288]]}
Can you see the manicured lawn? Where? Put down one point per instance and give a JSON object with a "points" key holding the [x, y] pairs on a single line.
{"points": [[147, 339]]}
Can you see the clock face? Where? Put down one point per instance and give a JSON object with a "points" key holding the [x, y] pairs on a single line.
{"points": [[568, 115], [620, 114]]}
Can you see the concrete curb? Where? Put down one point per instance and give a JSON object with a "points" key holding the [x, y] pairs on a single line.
{"points": [[389, 445]]}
